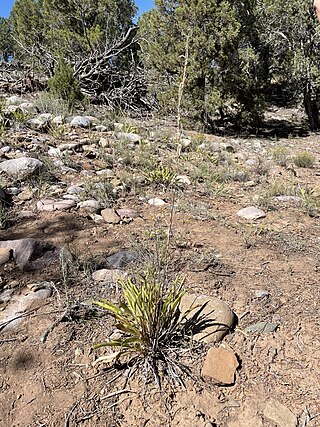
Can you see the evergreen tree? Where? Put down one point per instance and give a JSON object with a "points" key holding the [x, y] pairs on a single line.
{"points": [[6, 42], [292, 37], [221, 75]]}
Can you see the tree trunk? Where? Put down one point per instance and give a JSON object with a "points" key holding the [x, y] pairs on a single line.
{"points": [[311, 107]]}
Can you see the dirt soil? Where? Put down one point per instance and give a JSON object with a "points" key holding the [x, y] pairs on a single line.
{"points": [[54, 383]]}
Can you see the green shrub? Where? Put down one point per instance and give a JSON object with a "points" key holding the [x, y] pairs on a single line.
{"points": [[64, 85], [280, 155], [304, 159]]}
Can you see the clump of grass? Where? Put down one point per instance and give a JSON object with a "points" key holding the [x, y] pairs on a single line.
{"points": [[310, 202], [47, 103], [161, 175], [57, 131], [304, 159], [280, 155], [150, 320]]}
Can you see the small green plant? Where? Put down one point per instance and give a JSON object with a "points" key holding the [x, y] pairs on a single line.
{"points": [[280, 155], [304, 159], [64, 85], [20, 116], [150, 320], [57, 131], [162, 175], [310, 202]]}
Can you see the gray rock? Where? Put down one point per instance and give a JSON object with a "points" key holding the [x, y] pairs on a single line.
{"points": [[121, 259], [49, 205], [58, 120], [14, 100], [132, 137], [213, 318], [75, 189], [10, 316], [80, 121], [90, 205], [156, 202], [260, 293], [55, 152], [127, 213], [13, 191], [108, 277], [5, 149], [101, 128], [45, 117], [21, 166], [29, 106], [279, 414], [183, 179], [251, 213], [31, 254], [262, 327]]}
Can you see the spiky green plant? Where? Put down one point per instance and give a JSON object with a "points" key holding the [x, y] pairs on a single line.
{"points": [[161, 175], [150, 320]]}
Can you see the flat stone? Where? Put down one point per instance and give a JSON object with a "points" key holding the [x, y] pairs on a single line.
{"points": [[259, 293], [220, 365], [107, 173], [49, 205], [110, 216], [127, 213], [156, 202], [38, 123], [213, 318], [19, 305], [31, 254], [14, 100], [132, 137], [5, 255], [279, 414], [121, 259], [108, 277], [21, 166], [183, 179], [80, 121], [89, 205], [251, 213], [75, 189], [101, 128], [262, 327]]}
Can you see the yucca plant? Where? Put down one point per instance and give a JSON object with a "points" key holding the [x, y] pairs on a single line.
{"points": [[150, 320]]}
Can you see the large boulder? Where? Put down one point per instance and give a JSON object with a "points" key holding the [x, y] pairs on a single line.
{"points": [[210, 318], [31, 254], [22, 166]]}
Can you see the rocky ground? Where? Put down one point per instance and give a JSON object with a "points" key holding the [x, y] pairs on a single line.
{"points": [[84, 196]]}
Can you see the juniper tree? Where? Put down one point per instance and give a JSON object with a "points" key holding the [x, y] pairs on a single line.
{"points": [[220, 78]]}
